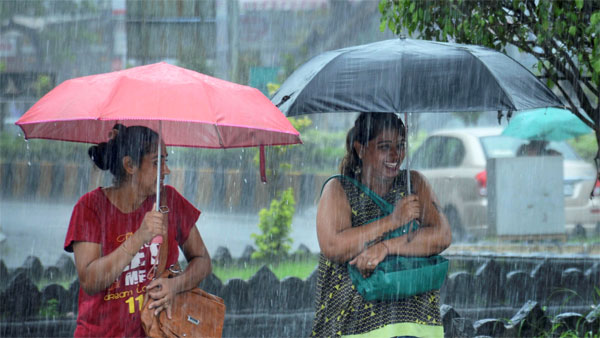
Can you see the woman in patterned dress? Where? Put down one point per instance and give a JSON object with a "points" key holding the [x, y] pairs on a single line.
{"points": [[375, 149]]}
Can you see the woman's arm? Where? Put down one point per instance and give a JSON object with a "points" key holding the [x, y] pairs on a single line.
{"points": [[338, 240], [97, 272], [434, 234], [199, 266]]}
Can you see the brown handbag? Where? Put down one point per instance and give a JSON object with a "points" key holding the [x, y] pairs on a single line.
{"points": [[195, 312]]}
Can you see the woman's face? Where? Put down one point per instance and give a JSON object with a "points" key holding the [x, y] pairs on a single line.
{"points": [[146, 175], [382, 156]]}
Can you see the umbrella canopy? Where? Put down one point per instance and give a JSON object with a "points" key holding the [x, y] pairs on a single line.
{"points": [[546, 124], [405, 75], [187, 109], [194, 110]]}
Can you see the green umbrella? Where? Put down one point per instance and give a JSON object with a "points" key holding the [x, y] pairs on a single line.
{"points": [[546, 124]]}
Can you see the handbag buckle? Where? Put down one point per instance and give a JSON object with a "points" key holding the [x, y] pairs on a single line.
{"points": [[193, 320], [175, 268]]}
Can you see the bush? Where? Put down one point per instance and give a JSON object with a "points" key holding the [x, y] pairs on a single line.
{"points": [[276, 225], [585, 146], [15, 148], [321, 152]]}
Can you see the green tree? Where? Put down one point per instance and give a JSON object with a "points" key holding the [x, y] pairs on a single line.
{"points": [[275, 224], [10, 8], [279, 157], [564, 37], [469, 119]]}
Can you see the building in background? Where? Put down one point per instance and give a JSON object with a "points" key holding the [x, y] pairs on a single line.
{"points": [[43, 43]]}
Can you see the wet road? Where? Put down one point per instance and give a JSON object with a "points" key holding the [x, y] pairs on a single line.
{"points": [[39, 229]]}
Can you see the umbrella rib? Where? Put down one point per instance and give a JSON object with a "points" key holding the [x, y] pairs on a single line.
{"points": [[509, 97], [219, 136], [293, 99]]}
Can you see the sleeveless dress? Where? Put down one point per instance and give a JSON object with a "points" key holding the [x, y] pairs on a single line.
{"points": [[342, 311]]}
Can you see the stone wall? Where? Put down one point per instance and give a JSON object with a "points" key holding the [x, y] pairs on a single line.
{"points": [[480, 294]]}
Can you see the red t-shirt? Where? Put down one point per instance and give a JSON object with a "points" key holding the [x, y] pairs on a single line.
{"points": [[115, 312]]}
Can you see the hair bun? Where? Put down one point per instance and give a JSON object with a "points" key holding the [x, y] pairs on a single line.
{"points": [[98, 154]]}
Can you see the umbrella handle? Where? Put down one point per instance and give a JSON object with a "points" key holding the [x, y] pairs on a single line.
{"points": [[406, 154], [415, 224], [158, 239]]}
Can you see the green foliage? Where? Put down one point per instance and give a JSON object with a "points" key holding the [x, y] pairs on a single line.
{"points": [[300, 123], [469, 119], [278, 158], [560, 330], [241, 69], [320, 153], [15, 148], [50, 309], [563, 35], [9, 8], [414, 141], [585, 146], [282, 268], [194, 58], [275, 224], [43, 85]]}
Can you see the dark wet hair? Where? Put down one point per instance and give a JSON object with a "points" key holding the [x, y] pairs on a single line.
{"points": [[134, 141], [366, 127]]}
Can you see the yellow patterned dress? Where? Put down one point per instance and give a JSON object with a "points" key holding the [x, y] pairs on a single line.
{"points": [[342, 311]]}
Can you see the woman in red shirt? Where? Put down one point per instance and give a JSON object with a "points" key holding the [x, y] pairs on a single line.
{"points": [[110, 234]]}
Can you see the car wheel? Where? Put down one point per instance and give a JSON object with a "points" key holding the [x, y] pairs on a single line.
{"points": [[458, 231]]}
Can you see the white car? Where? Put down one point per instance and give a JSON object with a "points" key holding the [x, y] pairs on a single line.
{"points": [[454, 163]]}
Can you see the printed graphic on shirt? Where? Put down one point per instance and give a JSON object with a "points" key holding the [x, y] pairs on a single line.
{"points": [[137, 272]]}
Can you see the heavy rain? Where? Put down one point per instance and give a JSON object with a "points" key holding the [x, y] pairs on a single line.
{"points": [[495, 105]]}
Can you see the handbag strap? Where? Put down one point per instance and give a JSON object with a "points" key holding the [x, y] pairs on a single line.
{"points": [[384, 205]]}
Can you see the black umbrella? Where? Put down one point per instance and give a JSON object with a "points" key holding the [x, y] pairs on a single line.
{"points": [[412, 76], [405, 75]]}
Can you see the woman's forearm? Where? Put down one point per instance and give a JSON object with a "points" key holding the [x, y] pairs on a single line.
{"points": [[101, 272], [426, 241], [350, 242], [197, 269]]}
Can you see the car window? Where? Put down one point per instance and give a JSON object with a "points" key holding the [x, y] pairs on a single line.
{"points": [[453, 152], [438, 152], [424, 158], [505, 146]]}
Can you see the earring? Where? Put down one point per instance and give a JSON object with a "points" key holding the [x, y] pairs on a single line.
{"points": [[357, 170]]}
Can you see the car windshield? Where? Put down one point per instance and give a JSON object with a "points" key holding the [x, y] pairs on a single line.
{"points": [[505, 146]]}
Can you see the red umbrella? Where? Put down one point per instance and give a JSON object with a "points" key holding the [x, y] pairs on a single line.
{"points": [[196, 110], [187, 108]]}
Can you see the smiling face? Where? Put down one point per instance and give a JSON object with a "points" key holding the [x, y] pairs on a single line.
{"points": [[382, 156]]}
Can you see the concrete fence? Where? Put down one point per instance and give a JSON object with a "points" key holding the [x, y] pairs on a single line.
{"points": [[223, 189], [501, 296]]}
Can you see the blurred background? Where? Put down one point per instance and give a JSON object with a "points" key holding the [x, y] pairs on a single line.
{"points": [[252, 42]]}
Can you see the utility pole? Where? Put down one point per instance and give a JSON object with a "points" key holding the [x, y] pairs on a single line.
{"points": [[119, 48], [222, 40]]}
